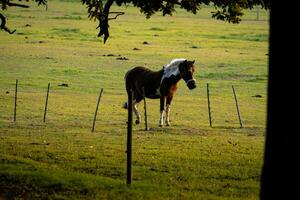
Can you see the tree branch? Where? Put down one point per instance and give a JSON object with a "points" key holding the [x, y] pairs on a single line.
{"points": [[17, 5], [3, 26], [117, 14], [103, 20], [3, 21]]}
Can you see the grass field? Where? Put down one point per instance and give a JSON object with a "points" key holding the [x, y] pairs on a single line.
{"points": [[62, 159]]}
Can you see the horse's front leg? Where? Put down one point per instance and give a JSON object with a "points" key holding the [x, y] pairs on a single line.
{"points": [[168, 103], [161, 118]]}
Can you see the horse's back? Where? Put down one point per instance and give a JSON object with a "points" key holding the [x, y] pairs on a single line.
{"points": [[139, 77], [137, 71]]}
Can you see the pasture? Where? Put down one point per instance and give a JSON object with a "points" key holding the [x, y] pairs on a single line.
{"points": [[62, 159]]}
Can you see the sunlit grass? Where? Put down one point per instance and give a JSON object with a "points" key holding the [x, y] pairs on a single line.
{"points": [[62, 159]]}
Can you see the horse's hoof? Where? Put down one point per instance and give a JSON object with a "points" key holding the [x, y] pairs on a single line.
{"points": [[137, 121], [160, 125], [167, 124]]}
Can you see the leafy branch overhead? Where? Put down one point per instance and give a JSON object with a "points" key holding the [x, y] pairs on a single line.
{"points": [[226, 10], [5, 4]]}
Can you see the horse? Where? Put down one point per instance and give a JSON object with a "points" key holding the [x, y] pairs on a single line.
{"points": [[160, 84]]}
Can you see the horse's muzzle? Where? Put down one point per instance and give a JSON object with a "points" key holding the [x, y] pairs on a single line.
{"points": [[191, 84]]}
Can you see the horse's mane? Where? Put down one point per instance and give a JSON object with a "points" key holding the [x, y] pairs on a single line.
{"points": [[172, 68]]}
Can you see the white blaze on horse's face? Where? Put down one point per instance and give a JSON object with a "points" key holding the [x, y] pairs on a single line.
{"points": [[187, 74]]}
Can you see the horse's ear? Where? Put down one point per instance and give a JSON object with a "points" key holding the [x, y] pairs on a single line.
{"points": [[191, 62]]}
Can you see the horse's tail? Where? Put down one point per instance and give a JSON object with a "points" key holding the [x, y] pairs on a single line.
{"points": [[125, 105], [125, 77]]}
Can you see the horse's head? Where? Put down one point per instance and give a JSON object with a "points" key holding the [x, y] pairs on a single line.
{"points": [[187, 70]]}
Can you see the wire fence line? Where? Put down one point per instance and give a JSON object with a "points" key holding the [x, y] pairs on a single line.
{"points": [[63, 103]]}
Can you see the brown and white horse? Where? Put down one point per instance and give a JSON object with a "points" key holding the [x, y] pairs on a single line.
{"points": [[159, 84]]}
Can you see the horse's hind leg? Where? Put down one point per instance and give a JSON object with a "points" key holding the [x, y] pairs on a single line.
{"points": [[135, 110]]}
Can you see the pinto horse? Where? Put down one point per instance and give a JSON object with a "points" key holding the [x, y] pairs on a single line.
{"points": [[159, 84]]}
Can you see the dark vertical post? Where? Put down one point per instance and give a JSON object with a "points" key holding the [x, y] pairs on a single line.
{"points": [[208, 104], [129, 138], [145, 109], [46, 104], [237, 107], [16, 98], [95, 115]]}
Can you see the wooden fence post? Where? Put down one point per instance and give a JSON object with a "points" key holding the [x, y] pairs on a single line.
{"points": [[257, 13], [46, 103], [208, 104], [16, 98], [129, 138], [95, 115], [145, 109], [237, 107]]}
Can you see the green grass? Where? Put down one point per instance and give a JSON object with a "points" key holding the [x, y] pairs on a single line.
{"points": [[62, 159]]}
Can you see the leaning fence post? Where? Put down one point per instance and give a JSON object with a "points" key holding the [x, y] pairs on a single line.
{"points": [[16, 98], [237, 107], [208, 104], [46, 103], [95, 115], [145, 109], [129, 138]]}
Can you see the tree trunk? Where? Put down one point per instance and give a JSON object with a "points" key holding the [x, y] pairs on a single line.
{"points": [[279, 178]]}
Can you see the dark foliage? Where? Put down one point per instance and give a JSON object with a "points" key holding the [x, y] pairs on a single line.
{"points": [[227, 10], [5, 4]]}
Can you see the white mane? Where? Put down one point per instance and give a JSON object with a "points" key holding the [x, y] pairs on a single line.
{"points": [[172, 68]]}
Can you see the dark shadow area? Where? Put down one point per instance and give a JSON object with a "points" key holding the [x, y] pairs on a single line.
{"points": [[279, 178]]}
